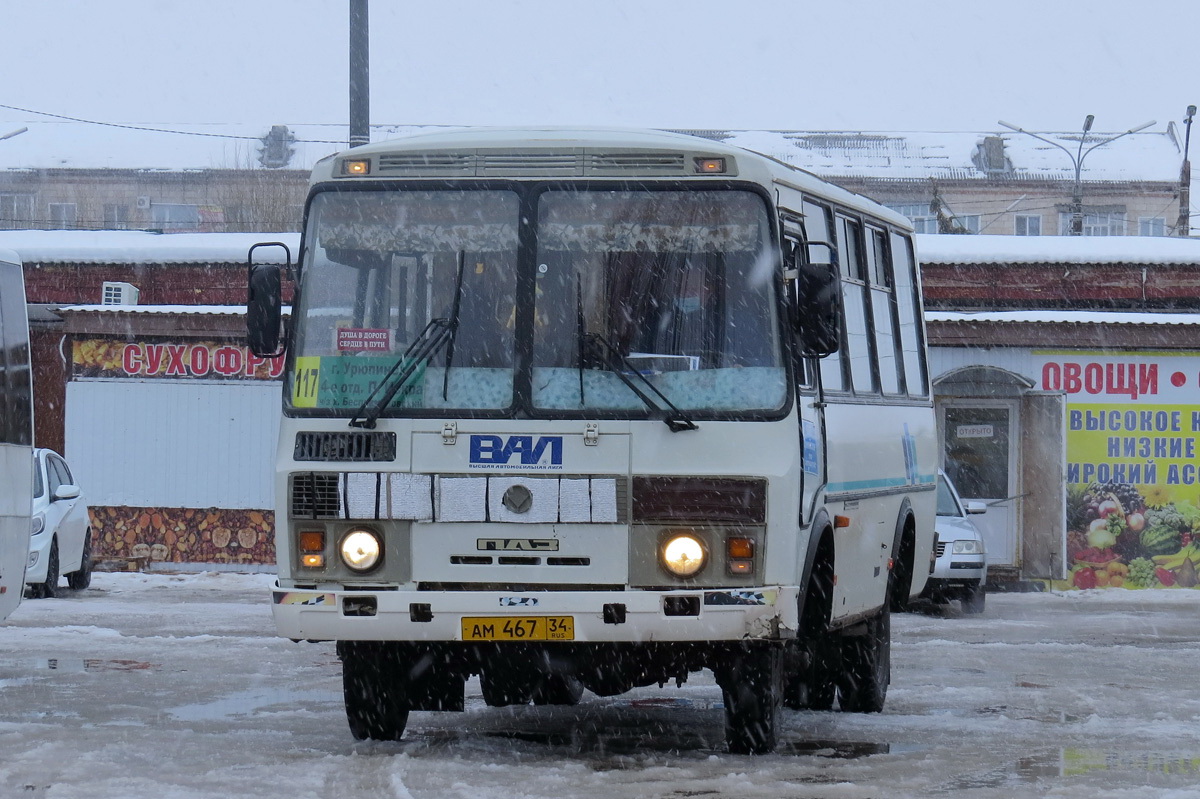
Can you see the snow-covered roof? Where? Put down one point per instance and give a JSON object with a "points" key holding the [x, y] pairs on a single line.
{"points": [[140, 247], [1146, 156], [947, 249], [205, 310], [1066, 317]]}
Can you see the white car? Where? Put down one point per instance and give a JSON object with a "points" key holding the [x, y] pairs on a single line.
{"points": [[960, 571], [61, 539]]}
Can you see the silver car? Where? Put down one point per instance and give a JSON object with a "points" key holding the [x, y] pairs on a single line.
{"points": [[61, 539], [960, 571]]}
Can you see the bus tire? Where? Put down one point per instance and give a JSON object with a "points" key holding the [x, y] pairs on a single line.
{"points": [[373, 693], [866, 666], [49, 588], [751, 683], [558, 689], [81, 579]]}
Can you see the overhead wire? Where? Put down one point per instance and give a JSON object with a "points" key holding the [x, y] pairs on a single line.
{"points": [[160, 130]]}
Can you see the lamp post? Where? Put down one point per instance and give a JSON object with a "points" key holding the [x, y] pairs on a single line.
{"points": [[1183, 225], [1077, 158]]}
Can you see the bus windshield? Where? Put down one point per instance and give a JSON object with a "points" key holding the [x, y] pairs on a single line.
{"points": [[674, 289]]}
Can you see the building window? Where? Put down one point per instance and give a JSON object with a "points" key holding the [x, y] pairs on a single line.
{"points": [[16, 210], [1095, 223], [62, 215], [116, 217], [971, 222], [1152, 226], [1029, 225], [175, 217], [922, 218]]}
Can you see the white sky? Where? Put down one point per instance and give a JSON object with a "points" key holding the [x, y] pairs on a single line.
{"points": [[751, 64]]}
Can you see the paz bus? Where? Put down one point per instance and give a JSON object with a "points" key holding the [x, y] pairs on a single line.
{"points": [[16, 434], [578, 410]]}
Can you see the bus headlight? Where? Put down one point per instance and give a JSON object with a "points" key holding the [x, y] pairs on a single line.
{"points": [[361, 549], [683, 555]]}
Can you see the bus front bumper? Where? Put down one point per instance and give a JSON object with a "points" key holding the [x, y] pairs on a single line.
{"points": [[767, 613]]}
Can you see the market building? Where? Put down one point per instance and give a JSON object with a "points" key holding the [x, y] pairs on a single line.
{"points": [[1066, 375]]}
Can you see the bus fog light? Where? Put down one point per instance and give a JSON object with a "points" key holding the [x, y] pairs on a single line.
{"points": [[361, 550], [683, 555]]}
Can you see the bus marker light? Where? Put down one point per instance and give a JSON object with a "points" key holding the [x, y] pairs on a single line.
{"points": [[841, 521], [710, 166], [312, 561], [741, 566], [356, 167]]}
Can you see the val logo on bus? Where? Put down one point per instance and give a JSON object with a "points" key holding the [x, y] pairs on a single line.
{"points": [[527, 452]]}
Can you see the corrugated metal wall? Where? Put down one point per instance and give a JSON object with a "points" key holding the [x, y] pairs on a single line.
{"points": [[177, 443]]}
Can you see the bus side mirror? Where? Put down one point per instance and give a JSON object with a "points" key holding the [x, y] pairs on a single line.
{"points": [[264, 304], [818, 309]]}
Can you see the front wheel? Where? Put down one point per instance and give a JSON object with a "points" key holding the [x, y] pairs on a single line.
{"points": [[752, 685], [49, 588], [866, 666], [558, 689], [974, 599], [374, 697], [81, 579]]}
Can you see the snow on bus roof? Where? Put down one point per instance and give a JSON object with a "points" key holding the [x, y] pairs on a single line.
{"points": [[1067, 317], [1000, 249], [199, 310], [141, 247]]}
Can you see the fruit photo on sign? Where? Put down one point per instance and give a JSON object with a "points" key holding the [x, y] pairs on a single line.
{"points": [[1125, 536]]}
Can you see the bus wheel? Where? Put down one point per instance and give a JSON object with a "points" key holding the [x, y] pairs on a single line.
{"points": [[80, 580], [373, 693], [504, 687], [751, 682], [558, 689], [866, 666]]}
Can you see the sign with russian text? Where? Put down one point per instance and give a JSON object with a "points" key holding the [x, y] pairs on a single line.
{"points": [[208, 360], [1133, 482]]}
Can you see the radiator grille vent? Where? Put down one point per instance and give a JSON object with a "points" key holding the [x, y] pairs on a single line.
{"points": [[345, 447], [564, 163], [315, 496]]}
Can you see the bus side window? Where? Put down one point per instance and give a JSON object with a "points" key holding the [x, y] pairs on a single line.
{"points": [[817, 228], [908, 306], [854, 305], [883, 310]]}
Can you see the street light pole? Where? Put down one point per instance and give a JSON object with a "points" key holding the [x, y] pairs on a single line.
{"points": [[1077, 161], [1183, 225]]}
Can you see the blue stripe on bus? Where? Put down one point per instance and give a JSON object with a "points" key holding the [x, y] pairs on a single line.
{"points": [[873, 485]]}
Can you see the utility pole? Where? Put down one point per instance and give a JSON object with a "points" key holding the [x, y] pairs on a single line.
{"points": [[1077, 161], [360, 72], [1183, 227]]}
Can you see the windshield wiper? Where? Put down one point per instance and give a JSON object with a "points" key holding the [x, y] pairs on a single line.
{"points": [[677, 420], [438, 334]]}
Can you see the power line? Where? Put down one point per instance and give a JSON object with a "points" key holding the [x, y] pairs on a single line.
{"points": [[158, 130]]}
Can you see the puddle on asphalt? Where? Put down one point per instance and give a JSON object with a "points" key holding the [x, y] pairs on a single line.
{"points": [[1065, 764], [75, 665]]}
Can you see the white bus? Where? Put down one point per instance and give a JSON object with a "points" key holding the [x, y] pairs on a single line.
{"points": [[16, 434], [598, 410]]}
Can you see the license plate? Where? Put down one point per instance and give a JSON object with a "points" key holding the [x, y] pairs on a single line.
{"points": [[518, 628]]}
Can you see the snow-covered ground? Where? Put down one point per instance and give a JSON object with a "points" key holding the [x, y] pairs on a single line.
{"points": [[174, 687]]}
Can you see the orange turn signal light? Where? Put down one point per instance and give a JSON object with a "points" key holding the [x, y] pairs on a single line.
{"points": [[312, 541], [740, 548], [841, 521]]}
